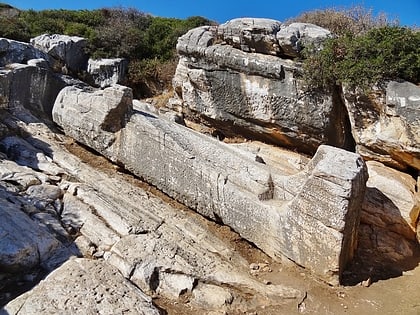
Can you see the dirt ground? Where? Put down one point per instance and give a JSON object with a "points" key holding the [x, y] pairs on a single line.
{"points": [[397, 292]]}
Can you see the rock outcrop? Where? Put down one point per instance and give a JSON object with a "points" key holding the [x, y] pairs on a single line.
{"points": [[241, 78], [138, 245], [242, 85], [100, 289], [386, 127], [68, 51], [266, 207], [164, 251], [106, 72], [390, 215], [12, 51], [294, 37], [30, 86]]}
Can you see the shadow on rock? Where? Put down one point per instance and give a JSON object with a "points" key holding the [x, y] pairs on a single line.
{"points": [[34, 240], [387, 242]]}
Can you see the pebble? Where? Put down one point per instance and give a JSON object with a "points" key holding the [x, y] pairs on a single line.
{"points": [[367, 283], [254, 266]]}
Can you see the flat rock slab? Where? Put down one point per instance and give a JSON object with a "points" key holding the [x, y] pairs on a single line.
{"points": [[83, 286]]}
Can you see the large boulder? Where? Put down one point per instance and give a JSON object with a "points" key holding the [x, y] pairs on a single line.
{"points": [[69, 51], [390, 214], [106, 72], [386, 126], [251, 35], [30, 86], [294, 37], [12, 51], [310, 217], [257, 94], [25, 244]]}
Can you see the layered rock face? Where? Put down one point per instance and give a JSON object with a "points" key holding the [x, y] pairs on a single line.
{"points": [[390, 215], [387, 128], [27, 79], [239, 78], [133, 243], [30, 86], [264, 205]]}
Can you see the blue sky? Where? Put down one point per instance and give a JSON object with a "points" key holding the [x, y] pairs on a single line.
{"points": [[407, 11]]}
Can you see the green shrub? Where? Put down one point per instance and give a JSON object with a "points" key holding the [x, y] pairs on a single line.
{"points": [[384, 53], [147, 42]]}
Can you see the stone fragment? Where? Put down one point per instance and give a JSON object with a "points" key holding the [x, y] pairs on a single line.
{"points": [[25, 154], [21, 176], [69, 50], [212, 297], [45, 191], [83, 286], [386, 126], [294, 37], [251, 34], [174, 285], [107, 72]]}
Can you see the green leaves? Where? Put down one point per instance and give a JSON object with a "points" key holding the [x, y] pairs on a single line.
{"points": [[384, 53]]}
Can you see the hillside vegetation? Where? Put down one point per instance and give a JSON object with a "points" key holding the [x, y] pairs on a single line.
{"points": [[147, 42], [364, 49]]}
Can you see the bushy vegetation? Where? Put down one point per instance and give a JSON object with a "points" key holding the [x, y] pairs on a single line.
{"points": [[147, 42], [354, 20], [364, 50], [384, 53]]}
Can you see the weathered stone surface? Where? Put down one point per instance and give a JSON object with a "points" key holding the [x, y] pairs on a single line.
{"points": [[35, 88], [251, 34], [109, 116], [25, 154], [386, 128], [211, 296], [293, 37], [106, 72], [163, 250], [390, 213], [270, 209], [254, 94], [12, 51], [83, 286], [31, 232], [24, 243], [70, 50], [79, 216]]}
